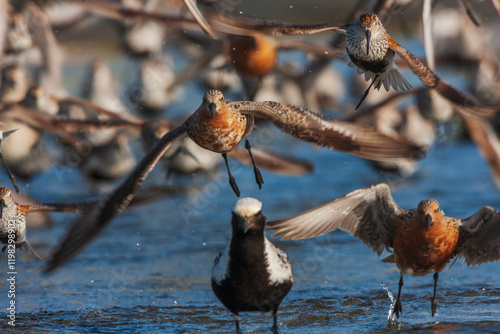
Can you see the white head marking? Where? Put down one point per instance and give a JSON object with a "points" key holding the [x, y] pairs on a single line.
{"points": [[247, 207]]}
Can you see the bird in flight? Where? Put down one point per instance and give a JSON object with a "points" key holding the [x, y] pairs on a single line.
{"points": [[219, 125], [423, 240], [370, 48]]}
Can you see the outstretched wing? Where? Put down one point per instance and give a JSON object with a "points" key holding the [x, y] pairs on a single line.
{"points": [[465, 103], [91, 224], [240, 25], [351, 138], [479, 238], [369, 214]]}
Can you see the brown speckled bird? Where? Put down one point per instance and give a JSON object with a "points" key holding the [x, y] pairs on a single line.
{"points": [[370, 48], [220, 125], [13, 220], [423, 240]]}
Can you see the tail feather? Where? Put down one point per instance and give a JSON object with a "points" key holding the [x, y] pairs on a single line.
{"points": [[396, 80], [389, 259]]}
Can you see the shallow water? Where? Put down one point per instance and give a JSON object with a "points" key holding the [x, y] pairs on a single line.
{"points": [[150, 270]]}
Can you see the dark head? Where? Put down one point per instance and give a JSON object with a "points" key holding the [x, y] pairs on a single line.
{"points": [[212, 101], [371, 24], [430, 211], [247, 217]]}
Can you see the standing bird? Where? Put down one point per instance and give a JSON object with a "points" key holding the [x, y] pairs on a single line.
{"points": [[370, 48], [219, 126], [423, 240], [251, 274]]}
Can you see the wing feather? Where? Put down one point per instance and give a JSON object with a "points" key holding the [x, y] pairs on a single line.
{"points": [[240, 25], [92, 223], [479, 240], [351, 138], [465, 103], [369, 214]]}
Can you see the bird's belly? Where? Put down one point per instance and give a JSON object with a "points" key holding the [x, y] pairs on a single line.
{"points": [[370, 66], [419, 255], [219, 137], [239, 297]]}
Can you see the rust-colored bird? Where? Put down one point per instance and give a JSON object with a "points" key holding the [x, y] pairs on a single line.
{"points": [[253, 56], [423, 240], [219, 126], [370, 48]]}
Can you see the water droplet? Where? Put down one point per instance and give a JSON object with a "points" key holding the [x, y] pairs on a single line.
{"points": [[291, 7]]}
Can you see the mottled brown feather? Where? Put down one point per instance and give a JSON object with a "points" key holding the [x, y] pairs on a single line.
{"points": [[369, 214], [465, 103], [352, 138]]}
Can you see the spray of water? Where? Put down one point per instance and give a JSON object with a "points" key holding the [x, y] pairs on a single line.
{"points": [[391, 317]]}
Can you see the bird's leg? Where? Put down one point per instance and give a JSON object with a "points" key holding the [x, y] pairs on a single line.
{"points": [[258, 175], [3, 251], [275, 322], [434, 301], [232, 182], [397, 306], [366, 93], [237, 322]]}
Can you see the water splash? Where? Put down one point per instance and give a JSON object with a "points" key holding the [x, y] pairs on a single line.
{"points": [[391, 317]]}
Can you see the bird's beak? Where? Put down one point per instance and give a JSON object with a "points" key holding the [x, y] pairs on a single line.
{"points": [[368, 34], [246, 226], [212, 107], [428, 221], [1, 209]]}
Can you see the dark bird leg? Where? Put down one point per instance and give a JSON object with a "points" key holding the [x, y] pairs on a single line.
{"points": [[237, 322], [366, 93], [434, 303], [275, 322], [232, 182], [397, 307], [258, 175]]}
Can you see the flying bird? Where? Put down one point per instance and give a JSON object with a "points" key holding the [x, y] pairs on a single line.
{"points": [[370, 48], [219, 126]]}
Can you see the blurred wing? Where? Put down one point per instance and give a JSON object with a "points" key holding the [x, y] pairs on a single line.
{"points": [[239, 25], [62, 207], [465, 103], [370, 214], [351, 138], [118, 12], [193, 8], [273, 162], [479, 240], [90, 225]]}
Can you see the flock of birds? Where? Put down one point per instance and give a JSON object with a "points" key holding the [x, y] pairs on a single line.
{"points": [[250, 274]]}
